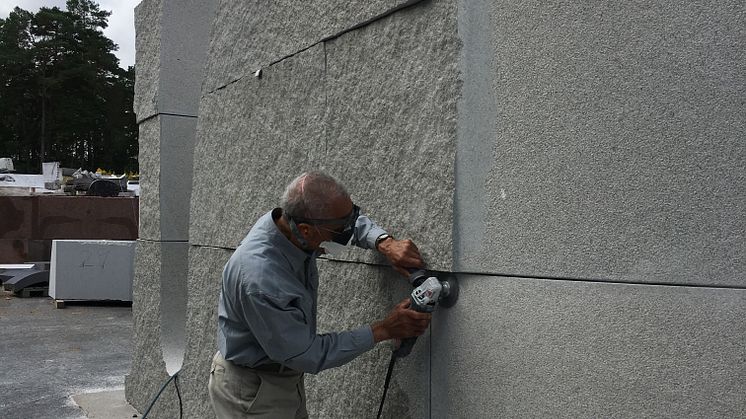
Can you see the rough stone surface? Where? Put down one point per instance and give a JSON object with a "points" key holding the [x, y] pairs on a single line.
{"points": [[147, 57], [375, 107], [185, 35], [148, 371], [618, 147], [171, 39], [351, 295], [205, 269], [515, 347], [249, 35], [393, 88], [254, 137], [149, 158]]}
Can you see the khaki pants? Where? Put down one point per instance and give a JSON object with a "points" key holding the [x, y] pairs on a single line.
{"points": [[242, 392]]}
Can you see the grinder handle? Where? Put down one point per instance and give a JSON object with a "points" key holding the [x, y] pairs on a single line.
{"points": [[407, 343]]}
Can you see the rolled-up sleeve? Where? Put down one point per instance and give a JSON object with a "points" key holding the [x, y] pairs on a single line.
{"points": [[366, 232], [284, 332]]}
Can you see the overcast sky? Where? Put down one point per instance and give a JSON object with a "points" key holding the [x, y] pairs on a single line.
{"points": [[121, 28]]}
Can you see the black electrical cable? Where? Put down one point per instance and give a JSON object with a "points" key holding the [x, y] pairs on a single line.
{"points": [[386, 383], [163, 387], [178, 394]]}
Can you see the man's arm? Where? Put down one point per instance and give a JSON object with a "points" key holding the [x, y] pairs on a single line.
{"points": [[285, 335], [402, 254]]}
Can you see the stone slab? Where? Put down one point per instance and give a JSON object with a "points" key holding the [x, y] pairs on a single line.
{"points": [[205, 278], [177, 148], [253, 138], [153, 261], [615, 143], [92, 270], [392, 93], [515, 347], [375, 107], [149, 158], [171, 39], [166, 183], [105, 405], [351, 295], [148, 15], [185, 35], [248, 35]]}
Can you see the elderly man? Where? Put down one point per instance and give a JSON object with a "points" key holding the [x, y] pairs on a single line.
{"points": [[267, 334]]}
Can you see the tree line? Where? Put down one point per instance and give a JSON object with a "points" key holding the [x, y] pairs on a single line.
{"points": [[63, 96]]}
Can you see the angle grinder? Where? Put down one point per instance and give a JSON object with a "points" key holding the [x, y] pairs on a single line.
{"points": [[428, 292]]}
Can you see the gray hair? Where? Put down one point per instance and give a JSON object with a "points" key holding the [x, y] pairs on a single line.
{"points": [[309, 195]]}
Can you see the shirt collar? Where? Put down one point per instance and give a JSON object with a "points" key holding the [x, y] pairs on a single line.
{"points": [[295, 255]]}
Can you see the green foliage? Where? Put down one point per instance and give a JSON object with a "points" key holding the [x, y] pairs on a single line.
{"points": [[63, 96]]}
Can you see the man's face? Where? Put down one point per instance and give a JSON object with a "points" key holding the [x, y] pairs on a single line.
{"points": [[318, 232]]}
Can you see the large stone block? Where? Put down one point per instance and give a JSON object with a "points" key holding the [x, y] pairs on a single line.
{"points": [[147, 57], [351, 295], [392, 93], [249, 35], [254, 136], [148, 371], [185, 36], [166, 183], [92, 269], [149, 158], [205, 270], [614, 145], [375, 107], [515, 347], [172, 39]]}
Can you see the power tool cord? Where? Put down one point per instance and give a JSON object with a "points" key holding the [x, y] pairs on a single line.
{"points": [[173, 378], [386, 383]]}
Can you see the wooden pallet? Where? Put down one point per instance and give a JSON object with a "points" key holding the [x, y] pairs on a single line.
{"points": [[32, 292], [116, 303]]}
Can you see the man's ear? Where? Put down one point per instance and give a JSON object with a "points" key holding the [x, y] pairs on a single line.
{"points": [[304, 229]]}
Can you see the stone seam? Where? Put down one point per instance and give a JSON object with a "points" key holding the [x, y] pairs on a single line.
{"points": [[323, 41]]}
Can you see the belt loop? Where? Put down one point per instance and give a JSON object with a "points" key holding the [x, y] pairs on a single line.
{"points": [[282, 368]]}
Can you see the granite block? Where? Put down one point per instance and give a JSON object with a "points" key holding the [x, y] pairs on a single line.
{"points": [[517, 347], [249, 35], [205, 270], [166, 183], [351, 295], [177, 151], [391, 139], [92, 270], [253, 138], [614, 147], [148, 15], [173, 307], [382, 91], [185, 35], [149, 158], [148, 370]]}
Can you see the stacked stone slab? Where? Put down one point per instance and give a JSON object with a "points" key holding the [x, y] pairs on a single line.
{"points": [[579, 167], [171, 47]]}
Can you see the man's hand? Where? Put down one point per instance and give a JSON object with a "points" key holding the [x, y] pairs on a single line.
{"points": [[401, 323], [401, 254]]}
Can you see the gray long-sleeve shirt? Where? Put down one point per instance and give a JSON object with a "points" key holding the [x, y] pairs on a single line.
{"points": [[267, 307]]}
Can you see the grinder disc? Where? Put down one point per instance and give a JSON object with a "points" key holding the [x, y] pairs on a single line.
{"points": [[453, 291]]}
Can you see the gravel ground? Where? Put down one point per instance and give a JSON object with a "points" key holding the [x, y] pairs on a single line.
{"points": [[49, 355]]}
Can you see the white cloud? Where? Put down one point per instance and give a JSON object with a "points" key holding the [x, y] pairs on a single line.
{"points": [[121, 28]]}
